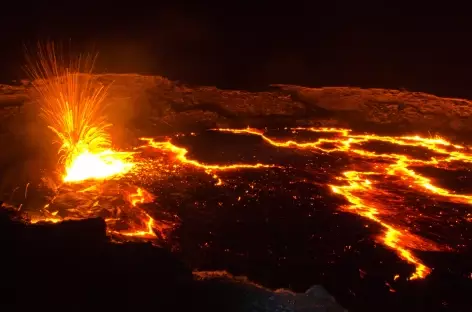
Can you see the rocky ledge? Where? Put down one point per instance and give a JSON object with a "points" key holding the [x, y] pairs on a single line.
{"points": [[74, 266], [150, 102]]}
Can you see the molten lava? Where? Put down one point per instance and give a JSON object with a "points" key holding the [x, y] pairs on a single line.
{"points": [[72, 103], [375, 185], [360, 187], [99, 165], [135, 198]]}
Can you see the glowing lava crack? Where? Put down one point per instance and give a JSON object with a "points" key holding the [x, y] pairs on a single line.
{"points": [[360, 187], [99, 165], [364, 190], [73, 106]]}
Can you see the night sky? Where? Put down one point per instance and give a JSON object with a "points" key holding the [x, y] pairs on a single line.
{"points": [[250, 46]]}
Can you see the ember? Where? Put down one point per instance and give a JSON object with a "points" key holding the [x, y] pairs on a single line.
{"points": [[375, 185], [364, 190], [73, 106], [360, 186]]}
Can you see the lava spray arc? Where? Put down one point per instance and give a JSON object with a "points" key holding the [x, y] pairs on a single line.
{"points": [[72, 103]]}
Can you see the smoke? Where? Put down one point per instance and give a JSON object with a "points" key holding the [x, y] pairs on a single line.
{"points": [[26, 152], [134, 105]]}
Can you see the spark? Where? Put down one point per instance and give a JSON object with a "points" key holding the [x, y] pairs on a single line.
{"points": [[72, 103], [26, 190], [359, 191], [147, 233], [140, 197], [393, 237]]}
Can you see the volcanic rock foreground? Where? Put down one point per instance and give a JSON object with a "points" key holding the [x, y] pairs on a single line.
{"points": [[73, 266], [153, 101], [383, 178]]}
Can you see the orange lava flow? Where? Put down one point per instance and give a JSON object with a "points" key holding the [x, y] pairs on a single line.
{"points": [[147, 233], [180, 154], [72, 103], [393, 237], [138, 223], [361, 192], [75, 115], [140, 196], [99, 165]]}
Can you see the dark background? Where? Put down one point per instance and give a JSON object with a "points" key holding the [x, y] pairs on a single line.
{"points": [[419, 47]]}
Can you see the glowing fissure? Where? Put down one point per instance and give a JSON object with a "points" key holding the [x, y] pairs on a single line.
{"points": [[357, 189], [73, 105], [136, 198], [393, 237], [142, 226], [181, 155]]}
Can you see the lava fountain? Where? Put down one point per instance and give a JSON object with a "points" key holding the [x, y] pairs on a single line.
{"points": [[72, 103], [378, 186]]}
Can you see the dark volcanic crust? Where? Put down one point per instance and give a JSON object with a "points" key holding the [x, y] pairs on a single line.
{"points": [[73, 266], [146, 105]]}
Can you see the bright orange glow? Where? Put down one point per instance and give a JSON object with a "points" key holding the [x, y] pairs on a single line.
{"points": [[140, 196], [46, 219], [360, 187], [394, 238], [180, 154], [73, 105], [145, 227], [129, 221], [98, 165]]}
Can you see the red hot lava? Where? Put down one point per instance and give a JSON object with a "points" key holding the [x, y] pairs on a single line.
{"points": [[364, 190]]}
